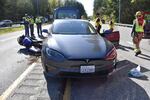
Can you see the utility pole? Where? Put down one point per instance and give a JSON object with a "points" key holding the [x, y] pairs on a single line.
{"points": [[119, 10]]}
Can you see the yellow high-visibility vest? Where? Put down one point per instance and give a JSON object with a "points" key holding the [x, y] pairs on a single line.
{"points": [[38, 20], [111, 26], [26, 18], [139, 28], [97, 23], [31, 20]]}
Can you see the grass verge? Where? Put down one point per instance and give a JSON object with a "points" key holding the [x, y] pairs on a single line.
{"points": [[11, 29]]}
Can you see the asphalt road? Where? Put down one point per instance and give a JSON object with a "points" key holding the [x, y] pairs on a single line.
{"points": [[13, 60], [117, 86]]}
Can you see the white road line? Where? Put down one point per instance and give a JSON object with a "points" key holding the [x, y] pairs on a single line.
{"points": [[118, 69], [130, 43], [3, 40], [13, 86]]}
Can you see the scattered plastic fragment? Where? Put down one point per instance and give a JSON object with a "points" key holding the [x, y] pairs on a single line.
{"points": [[135, 72]]}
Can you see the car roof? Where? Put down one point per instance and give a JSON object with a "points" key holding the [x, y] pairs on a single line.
{"points": [[69, 20], [67, 8]]}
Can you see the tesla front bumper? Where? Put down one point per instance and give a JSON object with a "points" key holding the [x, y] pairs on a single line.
{"points": [[72, 68]]}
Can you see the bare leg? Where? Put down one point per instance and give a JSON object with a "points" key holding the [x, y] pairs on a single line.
{"points": [[139, 38]]}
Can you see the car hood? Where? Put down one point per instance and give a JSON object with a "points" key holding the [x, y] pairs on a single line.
{"points": [[79, 46]]}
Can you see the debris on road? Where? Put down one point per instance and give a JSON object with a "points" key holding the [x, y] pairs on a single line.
{"points": [[136, 72]]}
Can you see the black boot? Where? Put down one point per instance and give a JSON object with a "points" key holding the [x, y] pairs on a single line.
{"points": [[137, 53]]}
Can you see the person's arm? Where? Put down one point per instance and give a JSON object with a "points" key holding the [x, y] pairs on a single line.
{"points": [[133, 29], [144, 26]]}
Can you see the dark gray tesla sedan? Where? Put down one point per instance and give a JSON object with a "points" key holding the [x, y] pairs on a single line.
{"points": [[74, 48]]}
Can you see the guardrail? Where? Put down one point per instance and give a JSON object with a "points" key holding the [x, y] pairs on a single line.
{"points": [[124, 25], [119, 24]]}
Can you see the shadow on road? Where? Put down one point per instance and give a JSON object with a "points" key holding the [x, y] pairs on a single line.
{"points": [[33, 57], [144, 56], [118, 86], [55, 87], [125, 48], [30, 52]]}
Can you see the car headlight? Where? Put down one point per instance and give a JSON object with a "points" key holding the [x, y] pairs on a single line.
{"points": [[54, 55]]}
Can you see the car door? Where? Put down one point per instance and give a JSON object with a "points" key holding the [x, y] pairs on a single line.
{"points": [[114, 37]]}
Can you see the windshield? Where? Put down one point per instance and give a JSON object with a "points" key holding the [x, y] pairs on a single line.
{"points": [[67, 14], [73, 27]]}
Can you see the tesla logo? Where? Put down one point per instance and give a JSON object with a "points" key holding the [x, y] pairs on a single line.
{"points": [[87, 60]]}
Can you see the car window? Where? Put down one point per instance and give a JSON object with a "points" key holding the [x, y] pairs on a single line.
{"points": [[67, 14], [73, 27]]}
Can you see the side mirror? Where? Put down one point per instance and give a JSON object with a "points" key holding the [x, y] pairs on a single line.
{"points": [[45, 30]]}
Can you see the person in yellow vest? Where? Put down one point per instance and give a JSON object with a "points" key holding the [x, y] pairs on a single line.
{"points": [[38, 22], [138, 31], [111, 28], [98, 22], [26, 24], [31, 25], [111, 24]]}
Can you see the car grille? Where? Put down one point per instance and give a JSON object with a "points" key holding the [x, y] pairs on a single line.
{"points": [[77, 63]]}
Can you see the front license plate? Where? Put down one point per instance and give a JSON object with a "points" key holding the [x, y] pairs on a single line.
{"points": [[87, 69]]}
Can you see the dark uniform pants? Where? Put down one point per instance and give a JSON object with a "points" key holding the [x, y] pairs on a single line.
{"points": [[26, 30], [39, 29], [32, 30]]}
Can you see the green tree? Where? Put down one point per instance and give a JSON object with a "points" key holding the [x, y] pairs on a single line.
{"points": [[15, 9], [128, 8], [2, 2], [23, 7]]}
